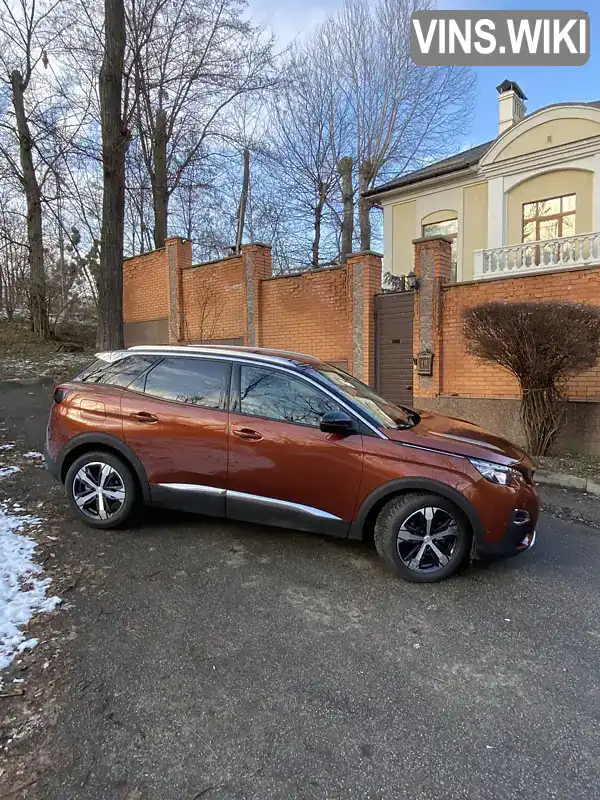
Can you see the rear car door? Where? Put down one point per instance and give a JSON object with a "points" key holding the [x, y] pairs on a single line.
{"points": [[283, 469], [175, 418], [95, 400]]}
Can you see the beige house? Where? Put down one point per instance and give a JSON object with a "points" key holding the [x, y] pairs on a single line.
{"points": [[528, 201]]}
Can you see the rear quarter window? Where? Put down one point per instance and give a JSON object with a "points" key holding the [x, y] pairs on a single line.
{"points": [[196, 381], [116, 373]]}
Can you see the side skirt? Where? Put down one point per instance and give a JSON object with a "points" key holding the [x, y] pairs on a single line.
{"points": [[189, 497], [247, 508]]}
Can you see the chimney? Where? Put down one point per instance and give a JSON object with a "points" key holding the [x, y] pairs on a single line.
{"points": [[511, 105]]}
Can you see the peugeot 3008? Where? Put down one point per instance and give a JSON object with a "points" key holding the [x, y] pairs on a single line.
{"points": [[285, 439]]}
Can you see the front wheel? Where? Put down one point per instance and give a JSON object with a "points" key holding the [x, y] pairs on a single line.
{"points": [[101, 490], [423, 537]]}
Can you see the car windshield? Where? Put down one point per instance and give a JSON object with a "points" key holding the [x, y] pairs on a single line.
{"points": [[387, 414]]}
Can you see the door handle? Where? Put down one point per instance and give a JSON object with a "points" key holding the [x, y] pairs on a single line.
{"points": [[247, 434], [144, 416]]}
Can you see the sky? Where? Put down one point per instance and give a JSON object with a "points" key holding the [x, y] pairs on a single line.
{"points": [[542, 85]]}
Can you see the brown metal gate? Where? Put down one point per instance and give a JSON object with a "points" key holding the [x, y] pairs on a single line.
{"points": [[394, 346]]}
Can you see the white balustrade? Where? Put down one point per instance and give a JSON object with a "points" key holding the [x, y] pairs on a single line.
{"points": [[550, 254]]}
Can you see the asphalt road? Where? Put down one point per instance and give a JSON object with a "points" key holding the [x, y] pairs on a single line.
{"points": [[219, 660]]}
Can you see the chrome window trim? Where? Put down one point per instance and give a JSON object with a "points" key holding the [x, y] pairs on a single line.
{"points": [[276, 503]]}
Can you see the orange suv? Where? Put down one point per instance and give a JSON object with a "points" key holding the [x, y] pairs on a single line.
{"points": [[285, 439]]}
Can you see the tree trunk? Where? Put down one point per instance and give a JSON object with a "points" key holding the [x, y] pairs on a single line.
{"points": [[318, 218], [243, 201], [114, 146], [345, 170], [160, 192], [365, 174], [38, 305], [542, 414]]}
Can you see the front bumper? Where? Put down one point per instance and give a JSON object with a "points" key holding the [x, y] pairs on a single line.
{"points": [[507, 515], [519, 536]]}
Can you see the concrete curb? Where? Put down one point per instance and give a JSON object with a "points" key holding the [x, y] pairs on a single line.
{"points": [[567, 481]]}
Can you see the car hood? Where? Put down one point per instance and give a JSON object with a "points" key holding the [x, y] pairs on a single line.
{"points": [[460, 437]]}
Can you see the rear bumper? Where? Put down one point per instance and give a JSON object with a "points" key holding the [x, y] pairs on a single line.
{"points": [[51, 464]]}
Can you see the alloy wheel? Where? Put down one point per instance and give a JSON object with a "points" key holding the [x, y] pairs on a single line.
{"points": [[428, 539], [98, 490]]}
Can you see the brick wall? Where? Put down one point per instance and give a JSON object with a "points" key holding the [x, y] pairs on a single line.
{"points": [[213, 297], [465, 375], [328, 313], [145, 287], [307, 313]]}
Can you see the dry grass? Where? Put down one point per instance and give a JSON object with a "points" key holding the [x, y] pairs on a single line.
{"points": [[572, 463], [22, 355]]}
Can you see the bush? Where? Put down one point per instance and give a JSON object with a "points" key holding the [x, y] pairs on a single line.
{"points": [[542, 344]]}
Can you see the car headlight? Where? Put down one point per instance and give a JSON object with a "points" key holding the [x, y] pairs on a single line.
{"points": [[496, 473]]}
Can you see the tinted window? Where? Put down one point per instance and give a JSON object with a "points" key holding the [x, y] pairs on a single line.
{"points": [[116, 373], [265, 393], [190, 380], [387, 414]]}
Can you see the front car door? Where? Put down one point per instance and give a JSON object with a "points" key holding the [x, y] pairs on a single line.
{"points": [[175, 419], [283, 470]]}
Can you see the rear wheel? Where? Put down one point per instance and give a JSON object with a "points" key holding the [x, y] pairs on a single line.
{"points": [[101, 490], [423, 537]]}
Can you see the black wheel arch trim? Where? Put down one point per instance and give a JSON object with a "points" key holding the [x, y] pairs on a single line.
{"points": [[416, 484], [91, 440]]}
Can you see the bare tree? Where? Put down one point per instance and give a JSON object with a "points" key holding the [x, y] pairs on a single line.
{"points": [[25, 38], [202, 55], [241, 221], [401, 114], [307, 138], [345, 169], [114, 146], [14, 255]]}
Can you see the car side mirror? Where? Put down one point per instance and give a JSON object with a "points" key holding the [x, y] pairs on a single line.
{"points": [[338, 422]]}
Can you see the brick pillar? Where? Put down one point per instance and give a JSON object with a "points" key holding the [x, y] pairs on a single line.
{"points": [[364, 282], [178, 254], [256, 262], [433, 266]]}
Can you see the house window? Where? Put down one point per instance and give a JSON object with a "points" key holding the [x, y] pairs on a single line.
{"points": [[549, 219], [449, 228]]}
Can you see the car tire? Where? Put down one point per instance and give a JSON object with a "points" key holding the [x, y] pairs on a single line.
{"points": [[423, 537], [112, 497]]}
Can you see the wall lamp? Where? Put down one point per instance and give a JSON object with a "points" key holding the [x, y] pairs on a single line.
{"points": [[412, 280]]}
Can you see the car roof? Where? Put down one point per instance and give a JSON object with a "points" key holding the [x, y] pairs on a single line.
{"points": [[260, 354]]}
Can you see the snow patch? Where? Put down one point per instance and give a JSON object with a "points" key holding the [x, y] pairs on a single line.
{"points": [[33, 454], [8, 446], [5, 471], [22, 589]]}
